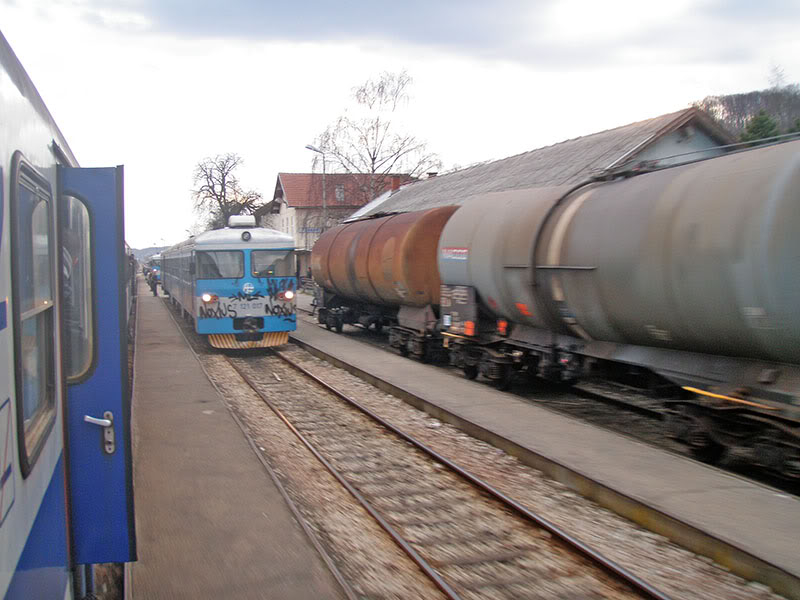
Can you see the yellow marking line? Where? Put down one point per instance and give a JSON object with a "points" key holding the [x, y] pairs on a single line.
{"points": [[729, 398]]}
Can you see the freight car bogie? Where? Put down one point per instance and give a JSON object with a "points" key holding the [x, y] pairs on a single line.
{"points": [[425, 346], [334, 312], [687, 424], [713, 431], [500, 362]]}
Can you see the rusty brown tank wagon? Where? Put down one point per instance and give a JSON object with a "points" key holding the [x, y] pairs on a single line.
{"points": [[383, 271]]}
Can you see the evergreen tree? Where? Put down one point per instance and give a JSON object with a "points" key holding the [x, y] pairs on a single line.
{"points": [[759, 127], [796, 127]]}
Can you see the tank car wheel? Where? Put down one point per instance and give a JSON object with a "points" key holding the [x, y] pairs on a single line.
{"points": [[329, 323], [710, 454], [378, 326], [423, 355], [703, 447], [339, 324], [506, 378], [403, 348], [470, 371], [320, 317]]}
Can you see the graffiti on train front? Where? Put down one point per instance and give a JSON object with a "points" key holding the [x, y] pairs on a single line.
{"points": [[244, 297], [217, 311], [242, 304]]}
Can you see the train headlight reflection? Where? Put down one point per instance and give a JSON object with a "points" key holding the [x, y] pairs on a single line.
{"points": [[288, 295], [208, 298]]}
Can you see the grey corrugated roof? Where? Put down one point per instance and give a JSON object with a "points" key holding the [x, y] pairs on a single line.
{"points": [[565, 163]]}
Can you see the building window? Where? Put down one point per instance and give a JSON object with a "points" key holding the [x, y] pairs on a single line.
{"points": [[340, 193]]}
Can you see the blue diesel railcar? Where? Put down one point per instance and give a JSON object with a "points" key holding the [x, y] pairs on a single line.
{"points": [[237, 284]]}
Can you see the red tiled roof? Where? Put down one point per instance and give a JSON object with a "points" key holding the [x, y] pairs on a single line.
{"points": [[304, 190]]}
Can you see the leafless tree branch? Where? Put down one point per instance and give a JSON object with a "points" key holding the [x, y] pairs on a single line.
{"points": [[217, 194], [371, 144]]}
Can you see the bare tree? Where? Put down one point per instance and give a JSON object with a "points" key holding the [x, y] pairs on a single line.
{"points": [[312, 223], [777, 77], [270, 221], [218, 194], [369, 142]]}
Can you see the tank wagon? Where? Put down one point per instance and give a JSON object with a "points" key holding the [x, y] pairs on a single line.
{"points": [[383, 271], [237, 285], [683, 280], [688, 275]]}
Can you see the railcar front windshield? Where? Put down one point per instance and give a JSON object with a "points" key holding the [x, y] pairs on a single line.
{"points": [[272, 263], [220, 264]]}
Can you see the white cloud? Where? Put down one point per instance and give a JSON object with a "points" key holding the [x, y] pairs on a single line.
{"points": [[159, 103]]}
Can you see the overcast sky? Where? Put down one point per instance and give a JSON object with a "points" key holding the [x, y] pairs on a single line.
{"points": [[158, 85]]}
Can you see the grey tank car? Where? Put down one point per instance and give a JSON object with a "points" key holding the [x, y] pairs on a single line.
{"points": [[689, 276]]}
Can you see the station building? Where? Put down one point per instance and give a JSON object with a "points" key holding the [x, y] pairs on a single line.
{"points": [[299, 208]]}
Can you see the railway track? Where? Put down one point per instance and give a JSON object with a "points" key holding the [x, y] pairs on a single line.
{"points": [[613, 406], [613, 395], [471, 540]]}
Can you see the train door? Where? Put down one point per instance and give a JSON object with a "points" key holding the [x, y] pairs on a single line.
{"points": [[94, 315]]}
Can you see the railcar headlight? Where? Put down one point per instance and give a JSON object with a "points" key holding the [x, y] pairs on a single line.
{"points": [[246, 236], [209, 298], [288, 295]]}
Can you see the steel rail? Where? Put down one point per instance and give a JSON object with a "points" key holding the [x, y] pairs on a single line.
{"points": [[617, 571], [584, 393], [623, 404], [335, 572], [426, 567]]}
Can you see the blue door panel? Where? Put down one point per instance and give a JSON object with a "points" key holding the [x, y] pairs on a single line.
{"points": [[100, 483]]}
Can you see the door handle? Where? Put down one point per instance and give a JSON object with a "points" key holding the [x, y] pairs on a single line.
{"points": [[107, 423]]}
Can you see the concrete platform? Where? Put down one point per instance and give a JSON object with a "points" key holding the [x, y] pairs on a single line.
{"points": [[210, 522], [751, 529]]}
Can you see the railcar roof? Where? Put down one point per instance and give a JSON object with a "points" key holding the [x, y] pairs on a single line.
{"points": [[231, 237]]}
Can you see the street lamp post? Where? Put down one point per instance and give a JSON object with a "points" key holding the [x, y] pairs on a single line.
{"points": [[324, 203]]}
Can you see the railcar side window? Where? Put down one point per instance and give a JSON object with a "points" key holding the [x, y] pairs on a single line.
{"points": [[272, 263], [77, 289], [34, 318], [220, 264]]}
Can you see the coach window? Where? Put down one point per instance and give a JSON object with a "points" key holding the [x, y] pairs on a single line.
{"points": [[76, 273], [220, 264], [34, 318], [272, 263]]}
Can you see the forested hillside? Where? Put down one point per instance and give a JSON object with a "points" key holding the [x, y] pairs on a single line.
{"points": [[734, 111]]}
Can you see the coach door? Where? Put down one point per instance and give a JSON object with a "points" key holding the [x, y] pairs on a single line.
{"points": [[95, 348]]}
